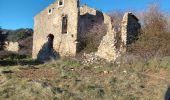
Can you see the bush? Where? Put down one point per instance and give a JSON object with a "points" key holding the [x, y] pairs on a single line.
{"points": [[2, 39], [22, 36], [19, 34], [116, 17], [154, 40], [94, 37], [6, 54], [154, 20], [25, 46]]}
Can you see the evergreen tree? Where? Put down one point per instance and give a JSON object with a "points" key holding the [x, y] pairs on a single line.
{"points": [[2, 39]]}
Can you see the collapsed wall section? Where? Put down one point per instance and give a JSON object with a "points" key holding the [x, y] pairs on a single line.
{"points": [[107, 49], [130, 29]]}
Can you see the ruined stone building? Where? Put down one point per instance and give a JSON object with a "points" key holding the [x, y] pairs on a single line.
{"points": [[69, 23]]}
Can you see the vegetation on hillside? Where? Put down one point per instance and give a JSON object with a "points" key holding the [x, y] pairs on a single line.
{"points": [[154, 40], [141, 73], [22, 36], [2, 39], [19, 34], [68, 79]]}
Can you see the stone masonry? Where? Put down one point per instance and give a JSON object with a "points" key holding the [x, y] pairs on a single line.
{"points": [[69, 23], [49, 21], [130, 29]]}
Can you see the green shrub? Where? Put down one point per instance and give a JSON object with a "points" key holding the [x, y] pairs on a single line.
{"points": [[19, 34]]}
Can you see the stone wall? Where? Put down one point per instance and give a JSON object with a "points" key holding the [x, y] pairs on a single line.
{"points": [[49, 21], [107, 48], [129, 29], [80, 21], [89, 17]]}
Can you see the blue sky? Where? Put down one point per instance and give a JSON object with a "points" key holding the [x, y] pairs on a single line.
{"points": [[19, 13]]}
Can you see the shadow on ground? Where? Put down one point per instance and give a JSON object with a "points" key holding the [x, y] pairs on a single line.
{"points": [[167, 95], [4, 63]]}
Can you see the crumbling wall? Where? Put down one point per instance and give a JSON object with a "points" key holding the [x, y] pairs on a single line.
{"points": [[107, 49], [130, 29], [89, 18], [49, 21]]}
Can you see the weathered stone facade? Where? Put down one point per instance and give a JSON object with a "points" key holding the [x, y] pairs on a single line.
{"points": [[49, 21], [70, 23], [107, 48]]}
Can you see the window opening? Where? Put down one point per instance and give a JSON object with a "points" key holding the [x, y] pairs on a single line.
{"points": [[50, 11], [61, 3], [64, 24]]}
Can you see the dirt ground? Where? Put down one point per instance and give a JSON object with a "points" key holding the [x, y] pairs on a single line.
{"points": [[35, 73]]}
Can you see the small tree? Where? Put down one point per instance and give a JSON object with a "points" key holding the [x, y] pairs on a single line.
{"points": [[154, 20], [2, 39], [116, 17]]}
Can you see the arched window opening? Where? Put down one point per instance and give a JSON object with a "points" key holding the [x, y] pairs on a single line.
{"points": [[50, 40], [50, 11], [60, 3]]}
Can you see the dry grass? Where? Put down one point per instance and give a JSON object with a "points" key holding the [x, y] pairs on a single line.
{"points": [[141, 74], [72, 80]]}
